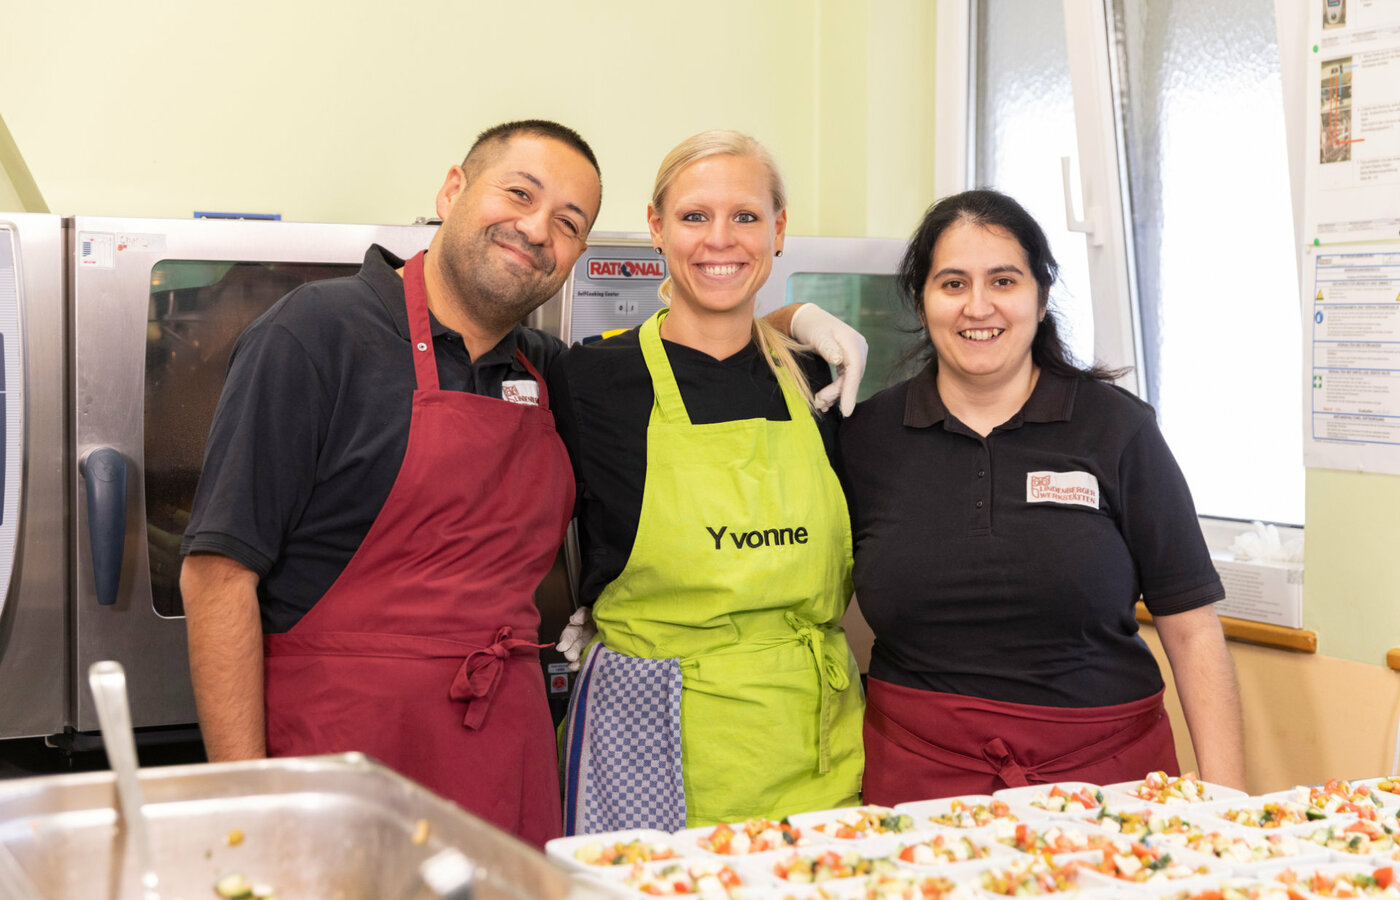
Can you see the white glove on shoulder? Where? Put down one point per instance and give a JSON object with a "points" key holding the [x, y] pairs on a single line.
{"points": [[837, 343], [576, 636]]}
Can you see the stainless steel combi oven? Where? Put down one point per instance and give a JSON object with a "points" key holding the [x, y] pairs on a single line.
{"points": [[124, 333], [116, 335]]}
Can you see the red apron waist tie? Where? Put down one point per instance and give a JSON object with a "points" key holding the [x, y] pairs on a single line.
{"points": [[994, 756], [473, 684]]}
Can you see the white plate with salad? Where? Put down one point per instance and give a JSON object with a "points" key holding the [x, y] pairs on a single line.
{"points": [[737, 840], [855, 823], [1173, 790], [613, 853], [967, 811], [1062, 798]]}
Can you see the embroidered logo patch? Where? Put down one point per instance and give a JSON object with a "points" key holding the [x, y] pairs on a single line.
{"points": [[526, 393], [1077, 488]]}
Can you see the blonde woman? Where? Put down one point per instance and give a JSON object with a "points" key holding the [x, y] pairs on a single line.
{"points": [[715, 537]]}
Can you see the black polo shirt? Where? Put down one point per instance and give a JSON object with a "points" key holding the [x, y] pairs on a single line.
{"points": [[1008, 567], [602, 398], [312, 427]]}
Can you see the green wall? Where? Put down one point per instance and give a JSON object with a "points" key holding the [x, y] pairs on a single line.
{"points": [[9, 197], [353, 111], [1351, 566]]}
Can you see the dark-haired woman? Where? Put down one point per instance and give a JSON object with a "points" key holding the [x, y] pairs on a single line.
{"points": [[1009, 509]]}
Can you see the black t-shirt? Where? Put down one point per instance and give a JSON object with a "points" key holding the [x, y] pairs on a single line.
{"points": [[602, 398], [312, 425], [1008, 567]]}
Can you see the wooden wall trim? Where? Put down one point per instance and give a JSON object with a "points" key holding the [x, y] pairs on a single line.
{"points": [[1299, 640]]}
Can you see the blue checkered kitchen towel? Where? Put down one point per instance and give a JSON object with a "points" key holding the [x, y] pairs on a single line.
{"points": [[622, 745]]}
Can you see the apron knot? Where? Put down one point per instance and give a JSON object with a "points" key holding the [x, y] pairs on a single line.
{"points": [[830, 658], [477, 677], [1011, 772]]}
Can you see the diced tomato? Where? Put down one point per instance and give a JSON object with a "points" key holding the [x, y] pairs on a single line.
{"points": [[1384, 877], [728, 877]]}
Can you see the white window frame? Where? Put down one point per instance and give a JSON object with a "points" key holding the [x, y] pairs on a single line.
{"points": [[1117, 341], [1100, 209]]}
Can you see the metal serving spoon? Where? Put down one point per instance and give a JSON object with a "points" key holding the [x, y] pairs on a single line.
{"points": [[108, 682]]}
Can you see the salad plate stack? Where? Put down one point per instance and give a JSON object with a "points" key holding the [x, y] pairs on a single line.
{"points": [[1161, 837]]}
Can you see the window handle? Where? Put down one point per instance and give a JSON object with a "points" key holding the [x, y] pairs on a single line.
{"points": [[1089, 225]]}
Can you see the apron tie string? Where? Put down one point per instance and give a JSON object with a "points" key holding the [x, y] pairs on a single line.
{"points": [[831, 671], [1011, 772], [476, 679]]}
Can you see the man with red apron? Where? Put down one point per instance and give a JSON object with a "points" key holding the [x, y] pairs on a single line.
{"points": [[383, 491], [434, 619]]}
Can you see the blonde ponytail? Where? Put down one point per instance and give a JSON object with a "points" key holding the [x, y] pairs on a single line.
{"points": [[779, 351]]}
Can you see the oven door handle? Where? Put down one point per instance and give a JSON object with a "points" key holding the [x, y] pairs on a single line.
{"points": [[104, 474]]}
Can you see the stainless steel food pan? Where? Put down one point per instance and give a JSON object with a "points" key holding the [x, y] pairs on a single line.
{"points": [[313, 827]]}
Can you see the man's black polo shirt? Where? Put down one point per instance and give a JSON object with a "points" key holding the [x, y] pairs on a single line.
{"points": [[312, 426], [1007, 567]]}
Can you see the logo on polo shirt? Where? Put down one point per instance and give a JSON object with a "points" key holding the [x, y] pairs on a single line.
{"points": [[752, 540], [627, 268], [1074, 488], [526, 393]]}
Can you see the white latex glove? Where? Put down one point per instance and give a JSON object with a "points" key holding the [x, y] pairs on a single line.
{"points": [[576, 636], [837, 343]]}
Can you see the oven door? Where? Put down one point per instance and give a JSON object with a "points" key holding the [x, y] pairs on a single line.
{"points": [[855, 280], [34, 685], [156, 308]]}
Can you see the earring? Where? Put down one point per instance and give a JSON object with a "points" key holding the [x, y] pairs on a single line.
{"points": [[779, 253], [659, 251]]}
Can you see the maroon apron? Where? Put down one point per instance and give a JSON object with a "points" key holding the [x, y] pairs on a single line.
{"points": [[925, 744], [422, 653]]}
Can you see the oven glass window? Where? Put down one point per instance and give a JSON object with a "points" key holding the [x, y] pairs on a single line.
{"points": [[197, 310], [869, 304]]}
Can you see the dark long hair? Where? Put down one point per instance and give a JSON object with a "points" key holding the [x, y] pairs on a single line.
{"points": [[992, 209]]}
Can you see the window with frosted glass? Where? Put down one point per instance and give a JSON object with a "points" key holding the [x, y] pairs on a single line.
{"points": [[1207, 181], [1024, 123], [1213, 231]]}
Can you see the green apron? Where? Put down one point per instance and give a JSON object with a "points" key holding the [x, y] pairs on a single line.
{"points": [[742, 571]]}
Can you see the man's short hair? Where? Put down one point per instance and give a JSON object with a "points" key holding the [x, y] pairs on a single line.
{"points": [[498, 135]]}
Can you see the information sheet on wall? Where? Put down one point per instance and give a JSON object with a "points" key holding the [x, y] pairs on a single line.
{"points": [[1352, 270], [1353, 176]]}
